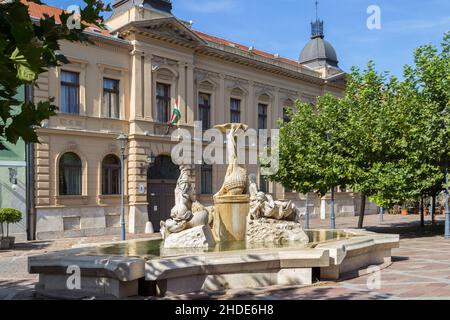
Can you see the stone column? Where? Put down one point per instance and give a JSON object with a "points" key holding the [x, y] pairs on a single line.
{"points": [[136, 97], [190, 105], [222, 104], [137, 184], [148, 88], [277, 189], [181, 94], [42, 169], [249, 118], [230, 217]]}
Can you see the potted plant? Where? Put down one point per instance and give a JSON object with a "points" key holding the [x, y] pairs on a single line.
{"points": [[8, 216], [426, 206], [405, 210]]}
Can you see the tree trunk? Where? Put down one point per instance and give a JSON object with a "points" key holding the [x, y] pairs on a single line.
{"points": [[433, 208], [422, 214], [362, 210]]}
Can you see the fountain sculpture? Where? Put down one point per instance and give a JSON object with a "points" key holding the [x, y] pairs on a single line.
{"points": [[246, 239], [240, 211]]}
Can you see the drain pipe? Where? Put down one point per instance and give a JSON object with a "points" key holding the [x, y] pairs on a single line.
{"points": [[29, 194], [31, 212]]}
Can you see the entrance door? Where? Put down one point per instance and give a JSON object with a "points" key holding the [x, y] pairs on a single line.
{"points": [[161, 183]]}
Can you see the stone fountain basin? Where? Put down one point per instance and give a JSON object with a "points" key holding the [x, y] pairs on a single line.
{"points": [[128, 275]]}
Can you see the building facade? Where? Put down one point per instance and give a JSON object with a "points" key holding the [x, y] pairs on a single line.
{"points": [[13, 184], [127, 82]]}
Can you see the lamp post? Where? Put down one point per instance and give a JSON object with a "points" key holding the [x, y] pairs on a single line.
{"points": [[447, 207], [307, 213], [332, 213], [122, 139], [445, 113]]}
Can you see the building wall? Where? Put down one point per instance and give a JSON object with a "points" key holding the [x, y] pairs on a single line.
{"points": [[139, 65], [14, 195]]}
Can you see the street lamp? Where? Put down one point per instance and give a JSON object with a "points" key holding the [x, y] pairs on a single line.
{"points": [[307, 213], [332, 214], [122, 139], [447, 207]]}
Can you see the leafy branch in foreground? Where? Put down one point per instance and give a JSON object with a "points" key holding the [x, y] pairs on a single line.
{"points": [[28, 48]]}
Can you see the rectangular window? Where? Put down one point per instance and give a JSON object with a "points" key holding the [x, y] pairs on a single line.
{"points": [[111, 105], [262, 116], [235, 110], [206, 179], [70, 92], [163, 102], [204, 110], [263, 184]]}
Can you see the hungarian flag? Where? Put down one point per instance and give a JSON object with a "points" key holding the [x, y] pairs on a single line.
{"points": [[176, 115]]}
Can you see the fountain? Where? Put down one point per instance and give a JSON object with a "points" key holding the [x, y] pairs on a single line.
{"points": [[245, 240], [240, 213]]}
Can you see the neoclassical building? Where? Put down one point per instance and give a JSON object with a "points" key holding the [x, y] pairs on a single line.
{"points": [[127, 82]]}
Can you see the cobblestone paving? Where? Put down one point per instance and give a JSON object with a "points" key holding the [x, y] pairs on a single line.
{"points": [[16, 282], [420, 269]]}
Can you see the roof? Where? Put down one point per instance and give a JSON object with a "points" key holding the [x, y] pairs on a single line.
{"points": [[233, 44], [318, 49], [38, 11]]}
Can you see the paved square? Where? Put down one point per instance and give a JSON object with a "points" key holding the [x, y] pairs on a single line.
{"points": [[420, 268]]}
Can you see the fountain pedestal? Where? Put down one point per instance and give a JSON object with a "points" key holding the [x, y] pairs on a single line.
{"points": [[230, 217]]}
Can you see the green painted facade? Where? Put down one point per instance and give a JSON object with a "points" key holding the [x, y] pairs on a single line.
{"points": [[13, 183]]}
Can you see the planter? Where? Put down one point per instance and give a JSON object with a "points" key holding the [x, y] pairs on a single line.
{"points": [[7, 243], [405, 212]]}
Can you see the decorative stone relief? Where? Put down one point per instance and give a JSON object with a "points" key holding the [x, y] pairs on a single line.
{"points": [[71, 123], [265, 230], [197, 237]]}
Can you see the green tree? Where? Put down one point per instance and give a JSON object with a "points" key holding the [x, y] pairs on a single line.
{"points": [[308, 151], [421, 102], [28, 48], [387, 139]]}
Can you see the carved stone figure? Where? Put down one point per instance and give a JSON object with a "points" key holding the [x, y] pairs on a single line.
{"points": [[186, 213], [272, 221], [263, 206], [236, 176]]}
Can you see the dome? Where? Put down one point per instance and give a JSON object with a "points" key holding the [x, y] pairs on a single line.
{"points": [[318, 52]]}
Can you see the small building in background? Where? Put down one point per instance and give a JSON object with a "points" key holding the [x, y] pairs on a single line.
{"points": [[13, 183]]}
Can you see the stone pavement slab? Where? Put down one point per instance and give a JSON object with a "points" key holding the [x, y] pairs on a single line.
{"points": [[420, 269]]}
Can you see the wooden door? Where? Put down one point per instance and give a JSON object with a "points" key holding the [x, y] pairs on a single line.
{"points": [[161, 201]]}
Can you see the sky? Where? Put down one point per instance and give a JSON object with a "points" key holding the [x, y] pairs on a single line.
{"points": [[283, 26]]}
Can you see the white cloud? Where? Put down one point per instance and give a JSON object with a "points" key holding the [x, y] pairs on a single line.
{"points": [[208, 6]]}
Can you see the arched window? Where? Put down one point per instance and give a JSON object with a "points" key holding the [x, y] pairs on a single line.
{"points": [[163, 169], [110, 175], [70, 168]]}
